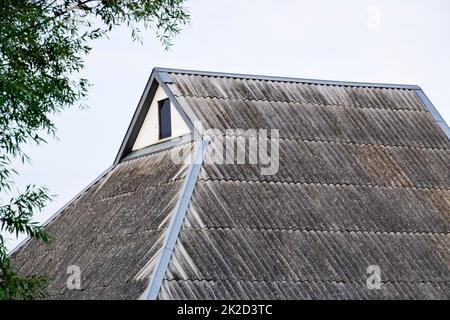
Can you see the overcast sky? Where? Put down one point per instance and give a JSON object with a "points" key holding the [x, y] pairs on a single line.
{"points": [[393, 41]]}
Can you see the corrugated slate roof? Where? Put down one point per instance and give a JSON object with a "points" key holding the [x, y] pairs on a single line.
{"points": [[113, 231], [364, 179]]}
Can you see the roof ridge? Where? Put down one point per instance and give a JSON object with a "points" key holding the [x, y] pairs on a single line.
{"points": [[289, 79], [306, 230], [325, 184]]}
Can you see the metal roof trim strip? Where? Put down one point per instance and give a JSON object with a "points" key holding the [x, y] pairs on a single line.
{"points": [[186, 112], [161, 146], [436, 115], [289, 79], [138, 117], [176, 221]]}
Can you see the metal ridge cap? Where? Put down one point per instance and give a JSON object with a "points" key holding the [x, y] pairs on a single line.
{"points": [[159, 147], [289, 79]]}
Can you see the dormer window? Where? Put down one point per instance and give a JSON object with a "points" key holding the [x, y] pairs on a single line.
{"points": [[165, 128]]}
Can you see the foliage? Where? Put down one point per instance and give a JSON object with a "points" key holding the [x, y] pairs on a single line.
{"points": [[42, 46]]}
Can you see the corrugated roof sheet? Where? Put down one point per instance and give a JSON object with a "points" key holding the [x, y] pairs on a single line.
{"points": [[113, 232], [343, 163], [363, 179], [285, 91], [308, 121], [326, 207]]}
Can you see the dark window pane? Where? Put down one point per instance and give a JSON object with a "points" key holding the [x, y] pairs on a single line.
{"points": [[165, 129]]}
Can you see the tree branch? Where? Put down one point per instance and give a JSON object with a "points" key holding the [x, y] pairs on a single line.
{"points": [[79, 4]]}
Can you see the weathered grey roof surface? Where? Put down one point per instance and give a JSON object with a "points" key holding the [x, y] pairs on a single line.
{"points": [[364, 179], [112, 232]]}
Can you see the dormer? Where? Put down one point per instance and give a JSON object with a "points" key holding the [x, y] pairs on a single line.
{"points": [[162, 122], [158, 119]]}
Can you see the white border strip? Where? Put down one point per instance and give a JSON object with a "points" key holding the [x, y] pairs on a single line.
{"points": [[176, 221]]}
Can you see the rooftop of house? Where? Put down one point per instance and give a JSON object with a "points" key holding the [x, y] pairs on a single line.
{"points": [[362, 182]]}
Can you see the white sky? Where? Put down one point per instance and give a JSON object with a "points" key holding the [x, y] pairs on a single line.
{"points": [[408, 42]]}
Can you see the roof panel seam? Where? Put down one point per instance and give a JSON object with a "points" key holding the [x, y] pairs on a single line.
{"points": [[292, 230], [349, 281], [97, 240], [326, 184], [118, 195], [295, 138], [359, 106]]}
